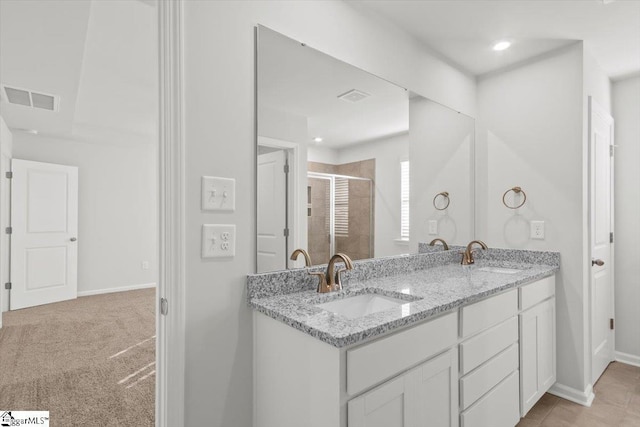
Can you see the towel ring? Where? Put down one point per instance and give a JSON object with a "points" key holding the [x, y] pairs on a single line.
{"points": [[516, 190], [444, 195]]}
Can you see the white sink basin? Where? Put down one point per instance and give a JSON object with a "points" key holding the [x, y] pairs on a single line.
{"points": [[361, 305], [500, 270]]}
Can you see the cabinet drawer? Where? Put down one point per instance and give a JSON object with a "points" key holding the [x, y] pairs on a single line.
{"points": [[371, 363], [477, 350], [538, 291], [480, 381], [484, 314], [498, 408]]}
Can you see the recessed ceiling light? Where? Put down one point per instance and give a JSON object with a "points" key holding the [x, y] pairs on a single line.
{"points": [[501, 45], [317, 139]]}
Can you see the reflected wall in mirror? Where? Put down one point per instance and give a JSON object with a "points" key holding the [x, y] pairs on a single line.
{"points": [[349, 162]]}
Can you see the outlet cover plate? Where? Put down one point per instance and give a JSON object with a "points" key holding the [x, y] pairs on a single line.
{"points": [[537, 230], [218, 240], [433, 227]]}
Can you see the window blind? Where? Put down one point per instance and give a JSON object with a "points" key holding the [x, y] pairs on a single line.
{"points": [[404, 199], [342, 207]]}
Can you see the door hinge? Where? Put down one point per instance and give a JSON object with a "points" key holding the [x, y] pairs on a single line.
{"points": [[611, 237], [7, 285], [164, 306], [8, 230], [286, 168], [9, 175], [611, 150], [611, 324], [286, 232]]}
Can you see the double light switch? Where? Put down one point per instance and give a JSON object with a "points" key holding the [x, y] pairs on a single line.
{"points": [[218, 194]]}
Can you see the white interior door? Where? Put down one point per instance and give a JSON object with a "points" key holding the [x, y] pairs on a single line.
{"points": [[44, 247], [272, 211], [601, 194]]}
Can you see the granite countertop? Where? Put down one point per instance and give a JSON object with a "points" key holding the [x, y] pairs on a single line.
{"points": [[428, 293]]}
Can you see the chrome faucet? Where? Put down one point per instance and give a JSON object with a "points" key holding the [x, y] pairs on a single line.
{"points": [[437, 239], [467, 255]]}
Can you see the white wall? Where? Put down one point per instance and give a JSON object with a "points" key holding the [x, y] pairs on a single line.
{"points": [[388, 153], [530, 134], [219, 119], [6, 144], [441, 147], [117, 207], [626, 112], [322, 155]]}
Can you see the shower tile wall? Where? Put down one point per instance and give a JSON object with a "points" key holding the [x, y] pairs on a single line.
{"points": [[359, 242], [318, 222]]}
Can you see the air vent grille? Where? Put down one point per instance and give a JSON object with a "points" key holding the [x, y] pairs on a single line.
{"points": [[31, 99], [354, 95]]}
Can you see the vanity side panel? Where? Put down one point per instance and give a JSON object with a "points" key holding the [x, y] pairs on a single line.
{"points": [[296, 377]]}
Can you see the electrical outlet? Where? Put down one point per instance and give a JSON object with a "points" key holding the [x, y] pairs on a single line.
{"points": [[433, 227], [218, 194], [537, 230], [144, 265], [218, 240]]}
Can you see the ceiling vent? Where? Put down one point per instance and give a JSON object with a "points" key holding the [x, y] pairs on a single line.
{"points": [[27, 98], [354, 95]]}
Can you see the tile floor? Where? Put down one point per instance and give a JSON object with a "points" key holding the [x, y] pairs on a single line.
{"points": [[617, 403]]}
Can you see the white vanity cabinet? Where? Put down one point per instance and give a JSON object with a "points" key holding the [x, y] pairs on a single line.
{"points": [[537, 341], [489, 363], [484, 364], [408, 378], [424, 396]]}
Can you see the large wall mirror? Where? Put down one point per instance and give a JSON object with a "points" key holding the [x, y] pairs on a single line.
{"points": [[349, 162]]}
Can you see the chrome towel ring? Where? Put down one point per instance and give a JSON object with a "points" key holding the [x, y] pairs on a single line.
{"points": [[516, 190]]}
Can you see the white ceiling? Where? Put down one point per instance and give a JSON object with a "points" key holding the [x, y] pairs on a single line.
{"points": [[304, 82], [464, 30], [100, 57]]}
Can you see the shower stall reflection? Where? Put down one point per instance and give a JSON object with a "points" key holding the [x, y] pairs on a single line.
{"points": [[340, 216]]}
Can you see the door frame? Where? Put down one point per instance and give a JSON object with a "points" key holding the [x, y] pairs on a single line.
{"points": [[294, 204], [595, 108], [170, 327]]}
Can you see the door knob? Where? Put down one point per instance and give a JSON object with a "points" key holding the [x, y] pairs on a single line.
{"points": [[73, 239], [597, 262]]}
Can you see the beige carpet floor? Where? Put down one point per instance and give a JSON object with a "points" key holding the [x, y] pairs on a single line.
{"points": [[89, 361]]}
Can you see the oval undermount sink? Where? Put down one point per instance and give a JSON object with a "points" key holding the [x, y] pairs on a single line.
{"points": [[500, 270], [361, 305]]}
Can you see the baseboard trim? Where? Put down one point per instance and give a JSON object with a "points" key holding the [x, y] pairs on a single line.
{"points": [[584, 398], [118, 289], [627, 358]]}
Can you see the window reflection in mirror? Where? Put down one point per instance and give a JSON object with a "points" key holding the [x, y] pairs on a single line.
{"points": [[349, 162]]}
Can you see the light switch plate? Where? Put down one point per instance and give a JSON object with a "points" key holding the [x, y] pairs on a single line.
{"points": [[537, 230], [218, 240], [433, 227], [218, 194]]}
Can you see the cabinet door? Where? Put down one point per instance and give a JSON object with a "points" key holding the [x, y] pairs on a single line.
{"points": [[426, 396], [537, 353], [388, 405], [438, 391]]}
